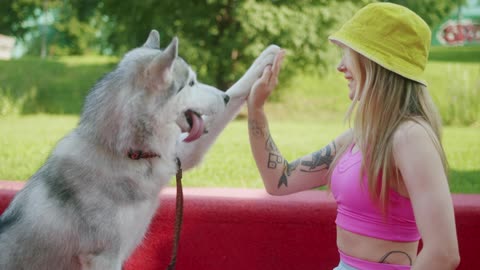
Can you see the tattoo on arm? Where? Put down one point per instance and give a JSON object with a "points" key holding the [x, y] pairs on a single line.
{"points": [[287, 171], [270, 145], [273, 160], [274, 156], [257, 129], [322, 159]]}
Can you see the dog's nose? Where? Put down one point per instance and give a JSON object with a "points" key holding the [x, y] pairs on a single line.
{"points": [[226, 98]]}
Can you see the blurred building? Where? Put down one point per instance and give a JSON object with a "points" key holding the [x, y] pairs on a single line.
{"points": [[6, 47], [462, 27]]}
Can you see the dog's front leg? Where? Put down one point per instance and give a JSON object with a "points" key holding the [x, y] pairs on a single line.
{"points": [[192, 153]]}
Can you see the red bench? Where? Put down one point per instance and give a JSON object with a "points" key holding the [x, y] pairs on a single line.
{"points": [[248, 229]]}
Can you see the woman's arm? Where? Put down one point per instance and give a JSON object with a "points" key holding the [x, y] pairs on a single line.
{"points": [[423, 174], [280, 176]]}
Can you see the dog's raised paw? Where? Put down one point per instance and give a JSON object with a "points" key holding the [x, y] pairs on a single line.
{"points": [[264, 59]]}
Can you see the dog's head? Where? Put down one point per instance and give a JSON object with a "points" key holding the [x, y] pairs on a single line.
{"points": [[152, 94], [172, 79]]}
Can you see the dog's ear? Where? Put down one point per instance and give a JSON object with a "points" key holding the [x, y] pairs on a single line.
{"points": [[172, 49], [160, 69], [153, 40]]}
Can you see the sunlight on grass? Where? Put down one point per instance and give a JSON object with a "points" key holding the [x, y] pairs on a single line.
{"points": [[455, 88], [88, 60], [26, 142], [305, 114]]}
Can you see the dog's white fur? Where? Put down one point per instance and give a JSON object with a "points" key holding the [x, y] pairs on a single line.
{"points": [[89, 206]]}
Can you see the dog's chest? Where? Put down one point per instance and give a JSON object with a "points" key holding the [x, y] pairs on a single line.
{"points": [[132, 222]]}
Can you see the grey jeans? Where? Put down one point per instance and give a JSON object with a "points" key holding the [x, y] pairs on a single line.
{"points": [[343, 266]]}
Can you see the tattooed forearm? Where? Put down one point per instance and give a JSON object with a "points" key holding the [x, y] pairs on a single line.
{"points": [[274, 156], [257, 129], [321, 160], [291, 166], [270, 145], [287, 170], [273, 160]]}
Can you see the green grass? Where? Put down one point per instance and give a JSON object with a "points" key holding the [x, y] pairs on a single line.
{"points": [[455, 54], [26, 141], [32, 85], [59, 86], [455, 88], [306, 115]]}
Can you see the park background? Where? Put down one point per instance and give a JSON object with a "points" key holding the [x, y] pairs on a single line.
{"points": [[63, 46]]}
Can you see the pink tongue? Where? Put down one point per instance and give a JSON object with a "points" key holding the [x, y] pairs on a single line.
{"points": [[197, 128]]}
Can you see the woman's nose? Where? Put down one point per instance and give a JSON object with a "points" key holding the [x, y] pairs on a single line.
{"points": [[341, 67]]}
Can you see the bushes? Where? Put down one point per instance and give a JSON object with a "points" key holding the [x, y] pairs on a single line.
{"points": [[59, 87]]}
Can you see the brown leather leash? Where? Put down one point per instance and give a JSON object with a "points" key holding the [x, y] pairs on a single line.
{"points": [[178, 216]]}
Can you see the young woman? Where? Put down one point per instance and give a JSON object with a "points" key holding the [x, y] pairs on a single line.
{"points": [[388, 172]]}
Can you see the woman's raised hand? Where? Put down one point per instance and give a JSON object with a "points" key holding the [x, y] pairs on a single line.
{"points": [[264, 85]]}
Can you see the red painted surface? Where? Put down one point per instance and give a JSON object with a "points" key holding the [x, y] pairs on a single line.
{"points": [[248, 229]]}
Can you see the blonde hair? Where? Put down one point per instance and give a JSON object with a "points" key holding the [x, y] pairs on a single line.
{"points": [[383, 100]]}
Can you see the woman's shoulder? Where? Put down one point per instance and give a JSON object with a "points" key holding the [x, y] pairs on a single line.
{"points": [[344, 139], [413, 136], [411, 132]]}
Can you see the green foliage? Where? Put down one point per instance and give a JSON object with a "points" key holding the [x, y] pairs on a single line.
{"points": [[467, 54], [60, 86], [30, 85], [432, 11], [220, 38], [12, 102], [14, 13], [455, 88], [59, 27]]}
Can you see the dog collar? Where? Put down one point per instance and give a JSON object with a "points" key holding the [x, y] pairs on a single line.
{"points": [[139, 154]]}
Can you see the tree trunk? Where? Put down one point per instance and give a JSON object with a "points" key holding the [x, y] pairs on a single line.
{"points": [[43, 52]]}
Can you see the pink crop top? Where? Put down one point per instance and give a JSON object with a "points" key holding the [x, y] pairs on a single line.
{"points": [[357, 213]]}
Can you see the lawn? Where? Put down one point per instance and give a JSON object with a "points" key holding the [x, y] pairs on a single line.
{"points": [[32, 85], [26, 141], [40, 102]]}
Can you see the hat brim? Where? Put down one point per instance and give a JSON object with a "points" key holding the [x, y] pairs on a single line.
{"points": [[339, 41]]}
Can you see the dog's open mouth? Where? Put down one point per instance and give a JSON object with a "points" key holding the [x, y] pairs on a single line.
{"points": [[197, 126]]}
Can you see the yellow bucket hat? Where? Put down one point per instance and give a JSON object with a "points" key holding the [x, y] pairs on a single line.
{"points": [[390, 35]]}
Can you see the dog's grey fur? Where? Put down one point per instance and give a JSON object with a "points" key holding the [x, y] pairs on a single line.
{"points": [[89, 205]]}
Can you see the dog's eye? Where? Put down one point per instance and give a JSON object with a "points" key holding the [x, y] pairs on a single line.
{"points": [[191, 83]]}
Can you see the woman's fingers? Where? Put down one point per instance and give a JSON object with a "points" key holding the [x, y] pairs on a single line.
{"points": [[277, 64], [264, 85], [267, 72]]}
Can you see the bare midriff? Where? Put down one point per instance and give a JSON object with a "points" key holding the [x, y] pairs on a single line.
{"points": [[373, 249]]}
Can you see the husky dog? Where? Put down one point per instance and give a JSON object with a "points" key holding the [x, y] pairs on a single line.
{"points": [[90, 204]]}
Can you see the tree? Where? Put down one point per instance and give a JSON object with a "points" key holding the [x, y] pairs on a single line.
{"points": [[51, 27], [222, 37], [432, 11], [13, 13]]}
